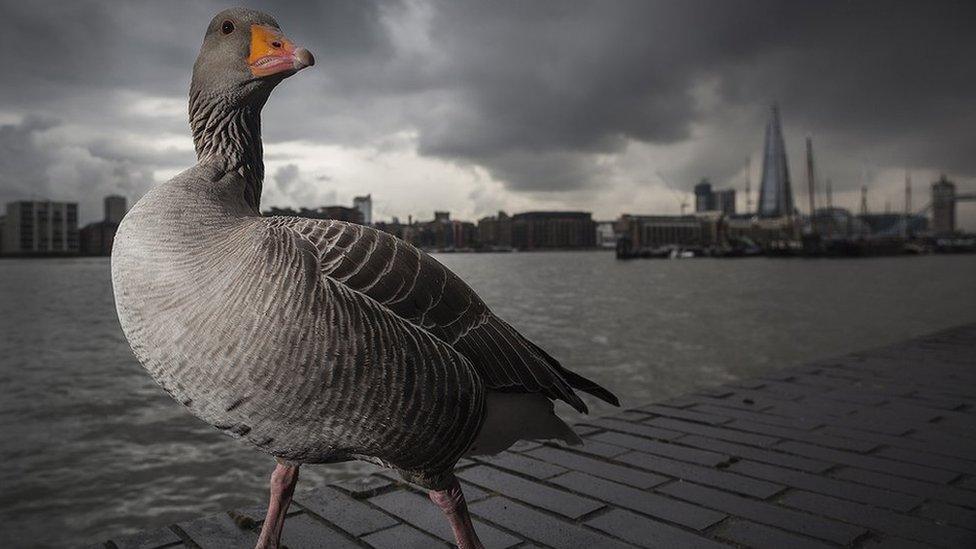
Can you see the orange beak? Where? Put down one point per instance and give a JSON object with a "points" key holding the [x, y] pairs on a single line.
{"points": [[272, 53]]}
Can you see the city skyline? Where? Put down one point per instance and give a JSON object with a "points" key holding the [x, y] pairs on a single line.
{"points": [[422, 99]]}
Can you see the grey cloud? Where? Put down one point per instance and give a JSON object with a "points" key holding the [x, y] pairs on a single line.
{"points": [[36, 164], [538, 92]]}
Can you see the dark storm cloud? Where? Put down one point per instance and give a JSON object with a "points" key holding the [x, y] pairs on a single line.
{"points": [[534, 92]]}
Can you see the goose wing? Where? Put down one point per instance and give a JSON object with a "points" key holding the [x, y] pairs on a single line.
{"points": [[419, 289]]}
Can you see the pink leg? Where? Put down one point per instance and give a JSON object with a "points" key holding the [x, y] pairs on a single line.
{"points": [[451, 501], [283, 481]]}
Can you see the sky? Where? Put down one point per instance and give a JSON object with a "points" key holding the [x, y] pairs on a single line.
{"points": [[611, 107]]}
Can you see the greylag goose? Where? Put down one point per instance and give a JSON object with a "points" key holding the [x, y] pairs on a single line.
{"points": [[317, 341]]}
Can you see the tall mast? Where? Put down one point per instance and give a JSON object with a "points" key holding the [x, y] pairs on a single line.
{"points": [[749, 184], [830, 209], [811, 183], [908, 202]]}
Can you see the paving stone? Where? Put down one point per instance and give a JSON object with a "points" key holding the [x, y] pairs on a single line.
{"points": [[149, 539], [365, 486], [759, 397], [879, 424], [791, 390], [598, 468], [856, 397], [644, 532], [639, 429], [949, 514], [583, 430], [597, 448], [471, 492], [879, 519], [943, 439], [524, 465], [540, 527], [666, 449], [796, 423], [804, 436], [891, 542], [711, 418], [721, 433], [252, 516], [813, 409], [218, 532], [926, 458], [526, 445], [712, 477], [756, 454], [968, 483], [402, 537], [867, 462], [828, 486], [920, 414], [351, 515], [304, 532], [657, 506], [941, 492], [953, 450], [680, 402], [765, 513], [752, 403], [417, 511], [631, 415], [533, 493], [751, 534]]}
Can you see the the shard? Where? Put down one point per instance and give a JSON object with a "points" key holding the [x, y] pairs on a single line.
{"points": [[775, 192]]}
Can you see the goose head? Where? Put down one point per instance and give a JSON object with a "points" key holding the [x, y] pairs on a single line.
{"points": [[244, 56]]}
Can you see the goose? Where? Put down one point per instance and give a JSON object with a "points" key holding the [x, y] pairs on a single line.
{"points": [[317, 341]]}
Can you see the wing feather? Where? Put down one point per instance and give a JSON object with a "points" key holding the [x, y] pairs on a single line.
{"points": [[419, 289]]}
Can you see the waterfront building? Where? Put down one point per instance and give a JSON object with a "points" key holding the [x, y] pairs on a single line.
{"points": [[709, 200], [495, 231], [606, 235], [553, 230], [943, 206], [41, 228], [724, 201], [657, 231], [775, 191], [115, 208], [894, 224], [342, 213], [365, 206], [759, 230], [465, 234], [96, 238], [704, 199]]}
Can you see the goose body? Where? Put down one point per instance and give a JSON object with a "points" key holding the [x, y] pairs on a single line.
{"points": [[315, 340]]}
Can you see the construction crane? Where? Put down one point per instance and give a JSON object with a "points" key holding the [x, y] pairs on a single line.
{"points": [[682, 200]]}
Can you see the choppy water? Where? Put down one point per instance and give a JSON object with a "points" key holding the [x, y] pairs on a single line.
{"points": [[90, 447]]}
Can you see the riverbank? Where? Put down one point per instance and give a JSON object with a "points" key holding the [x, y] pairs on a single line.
{"points": [[872, 449]]}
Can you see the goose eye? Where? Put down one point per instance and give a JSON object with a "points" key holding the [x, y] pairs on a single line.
{"points": [[227, 27]]}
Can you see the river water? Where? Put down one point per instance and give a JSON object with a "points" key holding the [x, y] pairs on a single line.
{"points": [[90, 447]]}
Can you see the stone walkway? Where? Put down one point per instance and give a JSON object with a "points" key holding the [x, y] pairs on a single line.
{"points": [[874, 449]]}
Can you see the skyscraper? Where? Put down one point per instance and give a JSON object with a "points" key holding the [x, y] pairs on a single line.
{"points": [[115, 208], [41, 227], [775, 192], [365, 206]]}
